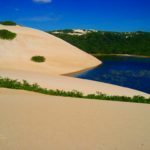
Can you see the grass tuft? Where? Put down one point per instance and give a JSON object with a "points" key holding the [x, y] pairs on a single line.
{"points": [[38, 59], [24, 85], [7, 35]]}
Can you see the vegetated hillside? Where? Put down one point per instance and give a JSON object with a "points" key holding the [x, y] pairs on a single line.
{"points": [[8, 23], [98, 42]]}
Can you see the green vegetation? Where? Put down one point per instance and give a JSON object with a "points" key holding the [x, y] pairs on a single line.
{"points": [[134, 43], [7, 35], [38, 59], [8, 23], [24, 85]]}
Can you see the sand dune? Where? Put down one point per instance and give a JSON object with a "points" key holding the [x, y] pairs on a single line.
{"points": [[61, 58], [31, 121]]}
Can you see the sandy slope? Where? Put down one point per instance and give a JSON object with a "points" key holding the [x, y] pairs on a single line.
{"points": [[69, 83], [31, 121], [61, 57]]}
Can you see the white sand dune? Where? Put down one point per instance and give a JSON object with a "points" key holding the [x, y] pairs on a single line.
{"points": [[31, 121], [61, 58]]}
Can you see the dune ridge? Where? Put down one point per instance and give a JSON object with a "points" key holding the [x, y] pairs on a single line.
{"points": [[61, 57]]}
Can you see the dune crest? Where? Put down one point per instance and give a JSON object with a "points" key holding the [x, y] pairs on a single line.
{"points": [[61, 57]]}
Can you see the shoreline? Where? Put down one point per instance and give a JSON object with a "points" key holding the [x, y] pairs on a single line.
{"points": [[73, 74], [126, 55], [67, 83]]}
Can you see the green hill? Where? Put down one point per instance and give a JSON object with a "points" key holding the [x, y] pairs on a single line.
{"points": [[8, 23], [99, 42]]}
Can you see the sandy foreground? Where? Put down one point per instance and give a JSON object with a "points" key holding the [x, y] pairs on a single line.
{"points": [[31, 121]]}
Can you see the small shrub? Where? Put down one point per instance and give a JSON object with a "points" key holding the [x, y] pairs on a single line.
{"points": [[8, 23], [7, 35], [38, 59], [24, 85]]}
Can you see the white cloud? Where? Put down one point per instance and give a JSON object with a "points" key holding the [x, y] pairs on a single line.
{"points": [[42, 1]]}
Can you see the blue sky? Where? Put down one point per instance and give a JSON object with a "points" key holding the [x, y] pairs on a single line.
{"points": [[110, 15]]}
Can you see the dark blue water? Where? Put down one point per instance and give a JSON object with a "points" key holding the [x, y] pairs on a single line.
{"points": [[132, 72]]}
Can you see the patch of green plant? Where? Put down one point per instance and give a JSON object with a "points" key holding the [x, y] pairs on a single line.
{"points": [[8, 23], [24, 85], [7, 35], [38, 59]]}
